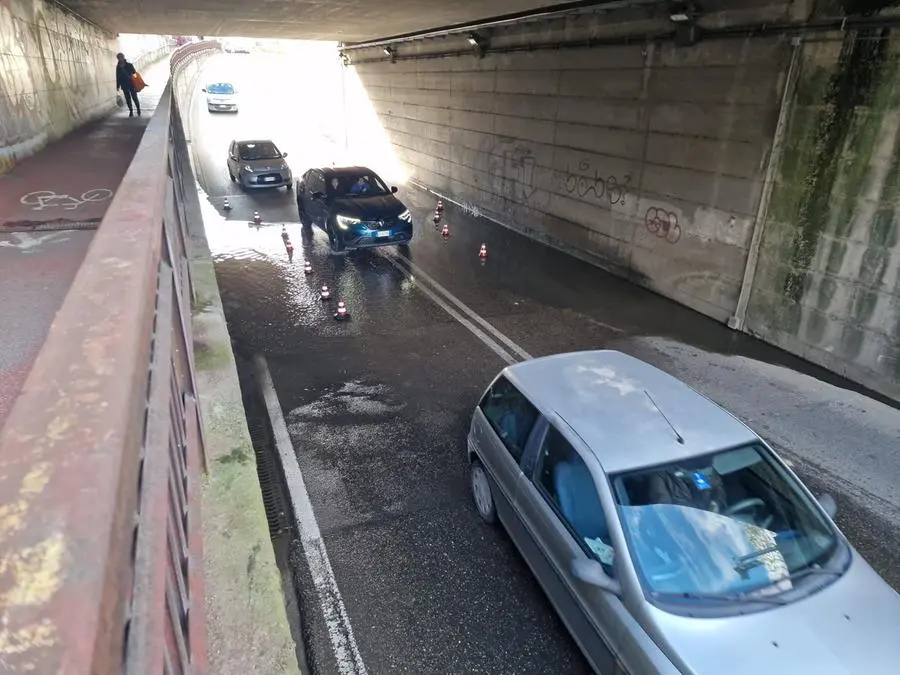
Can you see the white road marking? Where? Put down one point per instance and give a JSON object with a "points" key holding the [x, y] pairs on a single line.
{"points": [[346, 651], [419, 272], [27, 240], [496, 348], [43, 199]]}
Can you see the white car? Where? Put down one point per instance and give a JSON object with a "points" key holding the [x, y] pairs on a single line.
{"points": [[221, 97]]}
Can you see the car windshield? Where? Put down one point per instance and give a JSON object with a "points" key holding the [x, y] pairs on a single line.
{"points": [[357, 185], [725, 524], [220, 88], [261, 150]]}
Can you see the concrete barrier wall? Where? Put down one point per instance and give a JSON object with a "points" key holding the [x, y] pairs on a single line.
{"points": [[647, 159], [827, 285], [56, 73]]}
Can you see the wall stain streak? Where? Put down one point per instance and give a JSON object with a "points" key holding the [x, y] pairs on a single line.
{"points": [[862, 57]]}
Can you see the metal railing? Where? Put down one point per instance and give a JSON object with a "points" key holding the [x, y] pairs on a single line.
{"points": [[101, 565]]}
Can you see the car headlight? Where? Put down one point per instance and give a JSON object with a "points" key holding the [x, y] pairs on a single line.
{"points": [[248, 168], [345, 222], [406, 215]]}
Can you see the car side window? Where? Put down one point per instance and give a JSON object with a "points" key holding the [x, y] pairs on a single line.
{"points": [[510, 414], [318, 183], [564, 479]]}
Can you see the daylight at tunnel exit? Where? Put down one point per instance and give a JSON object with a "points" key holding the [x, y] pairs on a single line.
{"points": [[522, 337]]}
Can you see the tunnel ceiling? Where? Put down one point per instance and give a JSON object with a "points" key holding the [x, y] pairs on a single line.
{"points": [[341, 20]]}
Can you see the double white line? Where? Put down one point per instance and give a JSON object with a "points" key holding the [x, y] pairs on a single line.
{"points": [[476, 324]]}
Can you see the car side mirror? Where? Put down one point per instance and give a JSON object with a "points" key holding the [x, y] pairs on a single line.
{"points": [[591, 572], [233, 157], [828, 504], [317, 195], [204, 90], [394, 189], [284, 154]]}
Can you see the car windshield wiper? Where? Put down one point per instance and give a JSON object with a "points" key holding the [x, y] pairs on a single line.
{"points": [[812, 569], [726, 597], [746, 562]]}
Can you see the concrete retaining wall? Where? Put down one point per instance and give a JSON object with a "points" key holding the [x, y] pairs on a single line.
{"points": [[650, 160], [828, 283], [647, 159], [56, 73]]}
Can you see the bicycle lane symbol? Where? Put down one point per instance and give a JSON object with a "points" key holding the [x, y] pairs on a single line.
{"points": [[45, 199]]}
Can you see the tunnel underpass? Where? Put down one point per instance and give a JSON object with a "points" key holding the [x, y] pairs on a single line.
{"points": [[639, 186]]}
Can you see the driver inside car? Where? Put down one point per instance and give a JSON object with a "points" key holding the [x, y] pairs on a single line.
{"points": [[698, 489]]}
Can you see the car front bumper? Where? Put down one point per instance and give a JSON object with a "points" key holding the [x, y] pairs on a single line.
{"points": [[269, 179], [222, 107], [398, 234]]}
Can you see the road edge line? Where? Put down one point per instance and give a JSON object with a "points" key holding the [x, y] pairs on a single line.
{"points": [[340, 633]]}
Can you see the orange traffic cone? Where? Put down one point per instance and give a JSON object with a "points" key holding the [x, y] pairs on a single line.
{"points": [[445, 231], [440, 206], [284, 233], [482, 253], [290, 250], [325, 294], [437, 217], [307, 267], [341, 313], [256, 218], [226, 204]]}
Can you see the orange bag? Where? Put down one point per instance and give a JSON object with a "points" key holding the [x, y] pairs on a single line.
{"points": [[138, 82]]}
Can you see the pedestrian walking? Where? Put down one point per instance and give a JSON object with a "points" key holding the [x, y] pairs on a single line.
{"points": [[125, 73]]}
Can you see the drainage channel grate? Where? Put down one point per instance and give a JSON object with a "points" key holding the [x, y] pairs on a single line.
{"points": [[269, 474]]}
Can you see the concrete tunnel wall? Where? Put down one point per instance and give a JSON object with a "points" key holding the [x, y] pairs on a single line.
{"points": [[650, 160], [56, 73], [828, 283]]}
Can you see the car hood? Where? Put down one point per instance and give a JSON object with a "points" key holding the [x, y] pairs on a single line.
{"points": [[849, 627], [265, 164], [369, 208], [220, 97]]}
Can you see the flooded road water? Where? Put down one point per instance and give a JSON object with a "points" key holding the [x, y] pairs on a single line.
{"points": [[378, 407]]}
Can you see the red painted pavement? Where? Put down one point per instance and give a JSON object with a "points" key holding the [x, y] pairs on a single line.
{"points": [[37, 267], [74, 178]]}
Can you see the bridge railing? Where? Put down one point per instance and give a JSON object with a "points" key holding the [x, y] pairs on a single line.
{"points": [[101, 564]]}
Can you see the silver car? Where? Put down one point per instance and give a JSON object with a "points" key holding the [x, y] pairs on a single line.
{"points": [[258, 164], [669, 537]]}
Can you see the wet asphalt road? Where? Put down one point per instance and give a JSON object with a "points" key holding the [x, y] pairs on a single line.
{"points": [[378, 407]]}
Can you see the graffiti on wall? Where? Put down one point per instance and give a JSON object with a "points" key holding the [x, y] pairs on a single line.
{"points": [[588, 180], [662, 223], [56, 72], [512, 161]]}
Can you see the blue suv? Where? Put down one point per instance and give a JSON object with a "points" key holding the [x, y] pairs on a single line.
{"points": [[354, 207]]}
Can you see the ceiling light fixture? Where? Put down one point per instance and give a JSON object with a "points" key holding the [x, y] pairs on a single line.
{"points": [[479, 43]]}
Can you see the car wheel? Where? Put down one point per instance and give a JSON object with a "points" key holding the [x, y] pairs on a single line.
{"points": [[481, 492], [289, 187], [301, 212], [337, 242]]}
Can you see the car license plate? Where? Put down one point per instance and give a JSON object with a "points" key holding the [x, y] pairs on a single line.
{"points": [[384, 233], [269, 179]]}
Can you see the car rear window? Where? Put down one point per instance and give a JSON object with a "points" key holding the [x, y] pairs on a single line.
{"points": [[510, 414]]}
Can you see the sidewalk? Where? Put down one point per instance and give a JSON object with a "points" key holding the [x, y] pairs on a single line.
{"points": [[49, 206]]}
